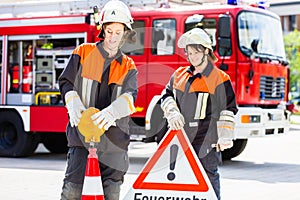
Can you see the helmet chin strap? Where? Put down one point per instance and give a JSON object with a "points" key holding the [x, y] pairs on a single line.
{"points": [[202, 60]]}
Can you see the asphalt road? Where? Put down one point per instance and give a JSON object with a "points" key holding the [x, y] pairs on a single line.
{"points": [[268, 169]]}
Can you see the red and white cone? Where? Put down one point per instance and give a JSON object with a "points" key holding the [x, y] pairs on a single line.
{"points": [[92, 186]]}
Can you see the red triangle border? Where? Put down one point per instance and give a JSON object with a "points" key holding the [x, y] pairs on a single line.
{"points": [[200, 187]]}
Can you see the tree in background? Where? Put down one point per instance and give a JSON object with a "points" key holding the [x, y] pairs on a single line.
{"points": [[292, 49]]}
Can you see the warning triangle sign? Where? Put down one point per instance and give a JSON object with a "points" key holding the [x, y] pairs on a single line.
{"points": [[174, 170]]}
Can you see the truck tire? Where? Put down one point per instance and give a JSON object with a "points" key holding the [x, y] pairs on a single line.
{"points": [[238, 147], [158, 125], [55, 142], [14, 141]]}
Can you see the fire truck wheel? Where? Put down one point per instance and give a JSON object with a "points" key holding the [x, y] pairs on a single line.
{"points": [[14, 141], [158, 125], [55, 142], [238, 147]]}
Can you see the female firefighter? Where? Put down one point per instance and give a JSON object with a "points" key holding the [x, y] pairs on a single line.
{"points": [[200, 99], [99, 75]]}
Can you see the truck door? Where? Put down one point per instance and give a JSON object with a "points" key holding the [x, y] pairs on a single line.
{"points": [[226, 48], [139, 51], [163, 58], [4, 77], [154, 54], [1, 60]]}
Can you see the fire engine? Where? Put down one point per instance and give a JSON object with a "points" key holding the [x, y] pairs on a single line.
{"points": [[36, 40]]}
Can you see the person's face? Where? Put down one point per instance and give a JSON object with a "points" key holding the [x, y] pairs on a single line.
{"points": [[113, 35], [194, 55]]}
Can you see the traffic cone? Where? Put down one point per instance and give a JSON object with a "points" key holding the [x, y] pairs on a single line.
{"points": [[92, 186]]}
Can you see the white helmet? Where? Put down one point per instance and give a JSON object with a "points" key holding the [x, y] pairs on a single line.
{"points": [[196, 36], [116, 11]]}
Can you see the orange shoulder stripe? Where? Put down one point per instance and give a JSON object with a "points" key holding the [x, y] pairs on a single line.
{"points": [[118, 72], [181, 78], [91, 61], [209, 84], [199, 85], [204, 84], [216, 78]]}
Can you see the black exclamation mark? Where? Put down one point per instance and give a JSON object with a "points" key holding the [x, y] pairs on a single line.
{"points": [[173, 156]]}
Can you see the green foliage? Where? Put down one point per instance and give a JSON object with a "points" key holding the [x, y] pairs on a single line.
{"points": [[292, 49]]}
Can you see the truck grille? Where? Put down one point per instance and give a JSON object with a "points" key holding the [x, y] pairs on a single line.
{"points": [[272, 89]]}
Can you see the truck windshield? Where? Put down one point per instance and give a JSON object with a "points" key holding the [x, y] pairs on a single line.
{"points": [[264, 29]]}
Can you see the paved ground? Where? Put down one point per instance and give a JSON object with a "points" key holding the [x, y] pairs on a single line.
{"points": [[268, 169]]}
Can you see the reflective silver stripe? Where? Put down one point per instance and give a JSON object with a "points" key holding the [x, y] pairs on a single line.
{"points": [[119, 89], [174, 92], [86, 91], [201, 106]]}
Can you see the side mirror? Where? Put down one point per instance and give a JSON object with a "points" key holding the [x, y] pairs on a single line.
{"points": [[224, 35]]}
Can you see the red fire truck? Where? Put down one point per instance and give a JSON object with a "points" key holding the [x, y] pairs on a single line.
{"points": [[36, 41]]}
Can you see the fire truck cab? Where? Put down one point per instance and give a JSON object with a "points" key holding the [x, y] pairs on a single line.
{"points": [[35, 49]]}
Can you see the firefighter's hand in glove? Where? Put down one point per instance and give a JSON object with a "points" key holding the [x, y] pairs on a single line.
{"points": [[105, 118], [172, 114], [224, 143], [175, 120], [74, 106], [121, 107], [225, 127]]}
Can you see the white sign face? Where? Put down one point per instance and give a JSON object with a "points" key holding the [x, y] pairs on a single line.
{"points": [[173, 172]]}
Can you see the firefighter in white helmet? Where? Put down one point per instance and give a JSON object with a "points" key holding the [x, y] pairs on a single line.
{"points": [[200, 99], [99, 75]]}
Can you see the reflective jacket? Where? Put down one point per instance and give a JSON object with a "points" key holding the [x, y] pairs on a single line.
{"points": [[201, 98], [99, 80]]}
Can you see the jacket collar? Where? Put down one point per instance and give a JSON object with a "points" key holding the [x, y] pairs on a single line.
{"points": [[118, 56], [206, 72]]}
